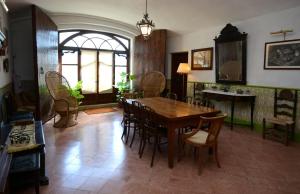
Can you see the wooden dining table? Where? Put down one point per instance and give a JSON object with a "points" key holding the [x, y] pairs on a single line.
{"points": [[175, 114]]}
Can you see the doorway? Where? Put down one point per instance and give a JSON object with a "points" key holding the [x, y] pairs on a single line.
{"points": [[178, 81]]}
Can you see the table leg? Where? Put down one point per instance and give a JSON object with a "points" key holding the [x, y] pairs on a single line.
{"points": [[252, 112], [171, 140], [232, 113], [44, 180]]}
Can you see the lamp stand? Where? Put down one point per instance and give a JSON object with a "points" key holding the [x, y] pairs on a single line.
{"points": [[183, 92]]}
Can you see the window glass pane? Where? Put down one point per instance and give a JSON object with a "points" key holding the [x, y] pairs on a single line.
{"points": [[89, 44], [64, 35], [118, 71], [113, 43], [70, 72], [97, 42], [89, 71], [105, 45], [80, 40], [124, 41], [120, 48], [69, 57], [105, 72], [120, 60], [71, 43]]}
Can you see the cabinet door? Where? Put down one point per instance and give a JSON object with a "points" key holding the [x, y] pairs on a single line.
{"points": [[45, 54]]}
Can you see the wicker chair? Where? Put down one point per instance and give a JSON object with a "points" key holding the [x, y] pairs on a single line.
{"points": [[64, 104], [153, 84], [204, 138]]}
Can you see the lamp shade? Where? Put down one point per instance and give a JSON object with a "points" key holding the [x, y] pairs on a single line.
{"points": [[184, 68]]}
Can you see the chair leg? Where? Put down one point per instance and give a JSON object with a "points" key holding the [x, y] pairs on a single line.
{"points": [[264, 129], [124, 129], [133, 136], [143, 145], [287, 135], [154, 150], [128, 132], [199, 162], [216, 154]]}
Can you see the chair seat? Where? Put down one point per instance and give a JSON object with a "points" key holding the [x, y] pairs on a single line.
{"points": [[280, 121], [199, 138], [65, 109]]}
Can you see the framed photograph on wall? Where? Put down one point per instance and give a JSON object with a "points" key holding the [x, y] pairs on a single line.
{"points": [[202, 59], [282, 54]]}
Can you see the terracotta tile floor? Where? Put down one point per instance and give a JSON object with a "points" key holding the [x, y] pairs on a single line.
{"points": [[91, 158]]}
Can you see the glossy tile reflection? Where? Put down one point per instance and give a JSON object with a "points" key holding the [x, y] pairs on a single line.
{"points": [[91, 158]]}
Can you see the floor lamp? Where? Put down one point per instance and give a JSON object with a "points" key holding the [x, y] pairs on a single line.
{"points": [[183, 69]]}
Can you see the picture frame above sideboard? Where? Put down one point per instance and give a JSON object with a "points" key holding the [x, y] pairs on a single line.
{"points": [[202, 59], [282, 55]]}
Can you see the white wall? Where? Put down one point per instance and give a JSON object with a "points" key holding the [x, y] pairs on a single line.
{"points": [[5, 78], [258, 30]]}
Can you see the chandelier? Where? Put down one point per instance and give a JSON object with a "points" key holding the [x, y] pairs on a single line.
{"points": [[145, 25]]}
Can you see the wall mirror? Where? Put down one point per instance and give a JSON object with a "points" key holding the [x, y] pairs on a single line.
{"points": [[231, 56]]}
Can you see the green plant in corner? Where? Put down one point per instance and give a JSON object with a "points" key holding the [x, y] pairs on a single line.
{"points": [[76, 92], [124, 85]]}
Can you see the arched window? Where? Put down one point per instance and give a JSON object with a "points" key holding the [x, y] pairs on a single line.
{"points": [[96, 58]]}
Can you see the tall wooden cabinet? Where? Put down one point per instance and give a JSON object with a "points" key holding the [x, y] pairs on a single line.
{"points": [[34, 47], [149, 55]]}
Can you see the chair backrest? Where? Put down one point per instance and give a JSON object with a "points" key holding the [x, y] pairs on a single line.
{"points": [[204, 102], [285, 104], [153, 83], [58, 86], [214, 126], [137, 112], [126, 106], [149, 117], [189, 99], [172, 96]]}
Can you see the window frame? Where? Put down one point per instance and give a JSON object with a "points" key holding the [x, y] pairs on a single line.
{"points": [[113, 36]]}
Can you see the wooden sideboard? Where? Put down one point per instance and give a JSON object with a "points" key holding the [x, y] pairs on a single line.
{"points": [[233, 98], [5, 158]]}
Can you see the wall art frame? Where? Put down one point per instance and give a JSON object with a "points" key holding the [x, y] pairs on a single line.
{"points": [[202, 59], [282, 55]]}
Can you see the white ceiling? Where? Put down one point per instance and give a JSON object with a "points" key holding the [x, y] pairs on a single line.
{"points": [[179, 16]]}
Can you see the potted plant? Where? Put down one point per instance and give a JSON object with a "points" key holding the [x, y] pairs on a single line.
{"points": [[124, 85], [76, 92]]}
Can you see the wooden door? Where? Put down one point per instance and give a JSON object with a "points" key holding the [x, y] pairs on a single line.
{"points": [[178, 81], [45, 58]]}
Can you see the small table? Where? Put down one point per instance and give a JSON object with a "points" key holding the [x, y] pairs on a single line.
{"points": [[175, 114], [232, 97]]}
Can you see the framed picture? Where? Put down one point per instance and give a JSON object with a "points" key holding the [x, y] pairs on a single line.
{"points": [[202, 59], [282, 55]]}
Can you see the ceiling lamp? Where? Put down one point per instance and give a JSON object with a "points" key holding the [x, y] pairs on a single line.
{"points": [[4, 5], [145, 25]]}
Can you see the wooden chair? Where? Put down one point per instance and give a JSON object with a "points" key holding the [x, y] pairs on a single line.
{"points": [[201, 138], [64, 104], [189, 99], [153, 83], [127, 119], [137, 119], [151, 129], [283, 122], [172, 96]]}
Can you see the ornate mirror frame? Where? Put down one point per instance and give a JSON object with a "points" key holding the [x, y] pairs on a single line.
{"points": [[236, 42]]}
